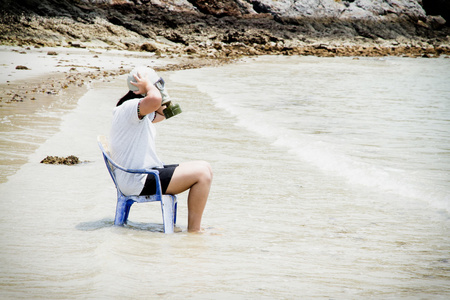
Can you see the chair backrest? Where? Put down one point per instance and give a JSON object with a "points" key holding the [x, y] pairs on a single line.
{"points": [[103, 144], [103, 141], [112, 166]]}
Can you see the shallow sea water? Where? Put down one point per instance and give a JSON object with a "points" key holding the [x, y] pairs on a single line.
{"points": [[331, 181]]}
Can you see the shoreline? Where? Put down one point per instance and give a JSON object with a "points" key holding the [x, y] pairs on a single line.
{"points": [[50, 82], [56, 77], [91, 40], [68, 73], [71, 68]]}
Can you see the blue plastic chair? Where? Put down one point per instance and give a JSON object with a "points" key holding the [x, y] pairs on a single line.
{"points": [[168, 202]]}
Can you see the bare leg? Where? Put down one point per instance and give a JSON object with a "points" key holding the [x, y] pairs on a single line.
{"points": [[197, 177]]}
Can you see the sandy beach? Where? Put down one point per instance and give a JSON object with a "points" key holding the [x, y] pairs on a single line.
{"points": [[33, 79], [28, 73]]}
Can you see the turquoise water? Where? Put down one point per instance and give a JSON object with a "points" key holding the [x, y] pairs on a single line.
{"points": [[331, 181]]}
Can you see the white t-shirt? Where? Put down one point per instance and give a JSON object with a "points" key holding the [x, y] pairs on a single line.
{"points": [[132, 144]]}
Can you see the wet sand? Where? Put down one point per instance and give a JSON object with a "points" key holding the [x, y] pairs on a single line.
{"points": [[42, 83], [32, 73]]}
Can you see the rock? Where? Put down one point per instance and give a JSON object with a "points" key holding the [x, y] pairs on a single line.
{"points": [[52, 53], [422, 24], [342, 9], [222, 8], [436, 22], [56, 160], [191, 49], [149, 47], [22, 68], [77, 45]]}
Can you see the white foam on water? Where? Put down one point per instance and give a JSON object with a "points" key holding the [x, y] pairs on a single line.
{"points": [[374, 123]]}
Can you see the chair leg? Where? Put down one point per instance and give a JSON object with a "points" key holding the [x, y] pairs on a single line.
{"points": [[127, 210], [168, 208], [175, 211], [122, 210]]}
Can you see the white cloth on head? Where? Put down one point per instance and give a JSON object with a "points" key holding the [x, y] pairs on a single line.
{"points": [[152, 76], [143, 72]]}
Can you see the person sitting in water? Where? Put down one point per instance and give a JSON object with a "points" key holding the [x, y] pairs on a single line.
{"points": [[132, 142]]}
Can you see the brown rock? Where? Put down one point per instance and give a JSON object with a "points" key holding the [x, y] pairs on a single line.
{"points": [[191, 49], [149, 47], [218, 8], [436, 22], [56, 160]]}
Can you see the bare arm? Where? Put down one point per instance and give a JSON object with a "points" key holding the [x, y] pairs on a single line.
{"points": [[159, 115], [152, 101]]}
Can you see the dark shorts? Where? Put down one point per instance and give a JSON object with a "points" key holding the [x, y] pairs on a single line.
{"points": [[165, 175]]}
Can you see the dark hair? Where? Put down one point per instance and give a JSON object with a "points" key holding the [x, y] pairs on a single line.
{"points": [[130, 95]]}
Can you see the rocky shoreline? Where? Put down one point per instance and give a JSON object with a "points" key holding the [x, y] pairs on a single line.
{"points": [[68, 76], [191, 34], [223, 30]]}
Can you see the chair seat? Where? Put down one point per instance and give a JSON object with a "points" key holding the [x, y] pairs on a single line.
{"points": [[168, 202]]}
